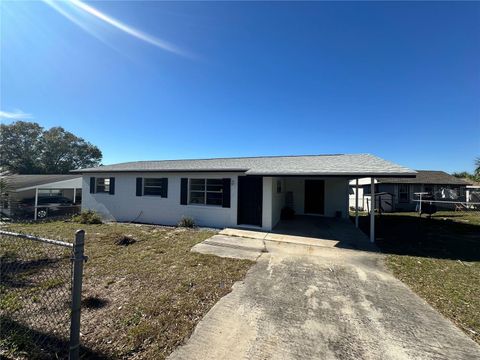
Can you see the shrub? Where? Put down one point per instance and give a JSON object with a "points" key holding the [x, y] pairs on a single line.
{"points": [[186, 222], [88, 217]]}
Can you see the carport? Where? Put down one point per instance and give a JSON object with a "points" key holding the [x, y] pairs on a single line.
{"points": [[21, 187], [316, 201]]}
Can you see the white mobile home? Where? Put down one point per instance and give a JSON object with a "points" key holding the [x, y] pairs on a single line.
{"points": [[229, 192]]}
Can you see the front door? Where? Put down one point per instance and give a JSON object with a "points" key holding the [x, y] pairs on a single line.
{"points": [[250, 194], [315, 197]]}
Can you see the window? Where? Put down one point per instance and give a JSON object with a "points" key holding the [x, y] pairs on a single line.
{"points": [[155, 187], [206, 191], [102, 185], [403, 193]]}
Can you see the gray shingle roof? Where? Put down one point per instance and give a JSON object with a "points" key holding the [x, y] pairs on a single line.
{"points": [[23, 181], [426, 177], [341, 164]]}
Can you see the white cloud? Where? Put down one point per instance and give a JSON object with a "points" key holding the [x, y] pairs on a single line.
{"points": [[15, 115], [67, 9]]}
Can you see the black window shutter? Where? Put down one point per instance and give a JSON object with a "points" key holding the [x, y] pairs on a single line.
{"points": [[184, 191], [112, 186], [139, 186], [164, 187], [92, 185], [226, 193]]}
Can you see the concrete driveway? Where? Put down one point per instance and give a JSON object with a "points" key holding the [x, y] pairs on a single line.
{"points": [[336, 304]]}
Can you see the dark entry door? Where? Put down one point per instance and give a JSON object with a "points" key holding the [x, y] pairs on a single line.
{"points": [[250, 194], [314, 197]]}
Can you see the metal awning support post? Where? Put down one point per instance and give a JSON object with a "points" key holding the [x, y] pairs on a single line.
{"points": [[372, 210], [36, 204], [420, 205], [356, 202], [74, 195]]}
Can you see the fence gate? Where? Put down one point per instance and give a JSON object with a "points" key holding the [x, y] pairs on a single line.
{"points": [[40, 295]]}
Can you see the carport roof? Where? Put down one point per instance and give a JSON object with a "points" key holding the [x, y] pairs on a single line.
{"points": [[352, 165], [25, 181]]}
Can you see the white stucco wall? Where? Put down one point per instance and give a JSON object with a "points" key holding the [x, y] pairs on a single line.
{"points": [[278, 200], [124, 205], [336, 195], [267, 204]]}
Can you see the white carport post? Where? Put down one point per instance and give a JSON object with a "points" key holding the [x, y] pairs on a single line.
{"points": [[356, 202], [74, 195], [36, 204], [372, 210]]}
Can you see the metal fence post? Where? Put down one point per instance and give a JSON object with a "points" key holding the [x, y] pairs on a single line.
{"points": [[78, 259]]}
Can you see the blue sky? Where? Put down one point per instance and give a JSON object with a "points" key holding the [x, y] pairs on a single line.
{"points": [[400, 80]]}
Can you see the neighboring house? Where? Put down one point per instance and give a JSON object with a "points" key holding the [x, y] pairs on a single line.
{"points": [[229, 192], [28, 187], [472, 194], [400, 192]]}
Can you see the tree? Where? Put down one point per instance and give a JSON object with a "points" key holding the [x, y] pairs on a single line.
{"points": [[466, 175], [26, 148], [462, 175], [63, 151], [20, 147]]}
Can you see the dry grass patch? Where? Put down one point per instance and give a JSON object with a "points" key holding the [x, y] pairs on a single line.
{"points": [[151, 293]]}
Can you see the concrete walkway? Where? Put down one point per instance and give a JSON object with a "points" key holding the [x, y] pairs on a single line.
{"points": [[336, 304]]}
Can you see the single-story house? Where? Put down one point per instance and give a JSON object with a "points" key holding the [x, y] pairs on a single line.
{"points": [[38, 188], [401, 191], [229, 192]]}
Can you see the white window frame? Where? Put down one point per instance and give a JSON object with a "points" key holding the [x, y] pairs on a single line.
{"points": [[205, 191]]}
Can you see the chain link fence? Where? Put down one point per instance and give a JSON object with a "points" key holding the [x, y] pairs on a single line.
{"points": [[430, 207], [28, 213], [40, 290]]}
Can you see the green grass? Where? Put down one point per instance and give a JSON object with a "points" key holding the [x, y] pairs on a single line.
{"points": [[153, 291], [438, 258]]}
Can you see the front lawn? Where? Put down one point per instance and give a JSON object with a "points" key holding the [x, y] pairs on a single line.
{"points": [[145, 298], [438, 258]]}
